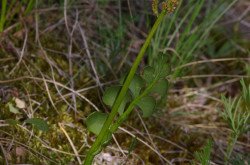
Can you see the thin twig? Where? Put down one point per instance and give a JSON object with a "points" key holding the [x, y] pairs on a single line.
{"points": [[71, 143]]}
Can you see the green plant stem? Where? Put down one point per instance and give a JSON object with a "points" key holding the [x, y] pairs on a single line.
{"points": [[29, 6], [104, 131], [125, 115]]}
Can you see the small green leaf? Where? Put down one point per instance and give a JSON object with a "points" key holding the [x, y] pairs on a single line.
{"points": [[95, 122], [13, 109], [147, 105], [161, 87], [38, 123], [136, 84], [11, 122], [122, 79], [162, 67], [165, 71], [149, 74], [110, 95]]}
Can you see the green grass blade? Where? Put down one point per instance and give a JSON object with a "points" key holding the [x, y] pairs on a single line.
{"points": [[3, 14]]}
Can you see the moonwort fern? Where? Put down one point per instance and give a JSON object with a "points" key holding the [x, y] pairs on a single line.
{"points": [[134, 91]]}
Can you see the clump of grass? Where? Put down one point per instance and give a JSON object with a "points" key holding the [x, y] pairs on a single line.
{"points": [[237, 115], [186, 31], [10, 8], [204, 155]]}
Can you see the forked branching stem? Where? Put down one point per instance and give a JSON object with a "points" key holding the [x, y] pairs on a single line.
{"points": [[101, 138]]}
